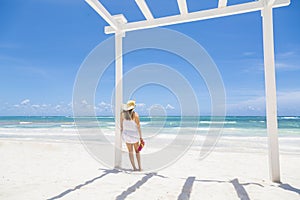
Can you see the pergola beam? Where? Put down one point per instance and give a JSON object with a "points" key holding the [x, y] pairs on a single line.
{"points": [[222, 3], [196, 16], [145, 9], [100, 9], [182, 7], [271, 2]]}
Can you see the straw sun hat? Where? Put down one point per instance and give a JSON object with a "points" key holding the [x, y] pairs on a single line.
{"points": [[129, 105]]}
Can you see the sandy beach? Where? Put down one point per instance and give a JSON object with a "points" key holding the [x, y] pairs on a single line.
{"points": [[61, 169], [206, 84]]}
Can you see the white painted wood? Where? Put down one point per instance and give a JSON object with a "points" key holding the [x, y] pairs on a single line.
{"points": [[270, 87], [145, 9], [196, 16], [118, 97], [120, 19], [222, 3], [182, 6], [271, 2]]}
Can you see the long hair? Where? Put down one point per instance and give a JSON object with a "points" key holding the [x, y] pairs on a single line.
{"points": [[128, 114]]}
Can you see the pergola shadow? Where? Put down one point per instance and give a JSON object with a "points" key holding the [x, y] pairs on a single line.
{"points": [[106, 172], [239, 187], [137, 185], [287, 186]]}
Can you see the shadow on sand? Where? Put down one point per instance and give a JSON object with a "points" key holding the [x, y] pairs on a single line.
{"points": [[187, 189], [239, 188], [136, 186], [286, 186], [106, 172]]}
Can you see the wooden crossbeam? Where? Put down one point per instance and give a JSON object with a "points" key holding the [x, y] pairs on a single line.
{"points": [[182, 6], [200, 15], [145, 9], [222, 3]]}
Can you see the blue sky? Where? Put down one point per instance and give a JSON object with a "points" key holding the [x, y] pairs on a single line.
{"points": [[44, 42]]}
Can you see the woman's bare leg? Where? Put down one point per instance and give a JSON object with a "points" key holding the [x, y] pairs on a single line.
{"points": [[138, 156], [130, 150]]}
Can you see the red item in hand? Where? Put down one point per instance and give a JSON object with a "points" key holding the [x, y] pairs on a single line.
{"points": [[142, 143]]}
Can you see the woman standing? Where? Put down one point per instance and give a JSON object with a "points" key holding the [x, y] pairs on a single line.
{"points": [[131, 132]]}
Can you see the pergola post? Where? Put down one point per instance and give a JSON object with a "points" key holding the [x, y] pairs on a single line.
{"points": [[118, 97], [270, 88], [120, 19]]}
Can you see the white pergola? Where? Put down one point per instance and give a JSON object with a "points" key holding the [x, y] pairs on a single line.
{"points": [[119, 26]]}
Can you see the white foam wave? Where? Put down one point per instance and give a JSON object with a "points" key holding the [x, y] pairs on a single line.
{"points": [[67, 125], [213, 122], [25, 122], [289, 117]]}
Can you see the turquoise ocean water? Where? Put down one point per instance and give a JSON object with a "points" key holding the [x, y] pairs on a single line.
{"points": [[232, 125]]}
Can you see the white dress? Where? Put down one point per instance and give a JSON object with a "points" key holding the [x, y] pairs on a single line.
{"points": [[130, 132]]}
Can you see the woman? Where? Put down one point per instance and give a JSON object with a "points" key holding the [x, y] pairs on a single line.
{"points": [[131, 132]]}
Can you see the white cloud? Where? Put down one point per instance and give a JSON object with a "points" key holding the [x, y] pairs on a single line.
{"points": [[57, 107], [25, 102], [286, 66], [156, 106], [289, 100], [86, 105], [287, 60], [286, 54], [84, 102], [140, 107], [104, 105], [35, 106], [288, 103], [26, 107], [249, 53], [169, 107], [156, 110], [254, 106], [104, 108]]}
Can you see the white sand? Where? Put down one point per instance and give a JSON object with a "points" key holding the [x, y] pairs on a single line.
{"points": [[237, 169]]}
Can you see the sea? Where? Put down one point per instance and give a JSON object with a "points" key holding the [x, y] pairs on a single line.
{"points": [[64, 126]]}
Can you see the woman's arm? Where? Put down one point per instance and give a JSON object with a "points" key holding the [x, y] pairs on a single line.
{"points": [[137, 121]]}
